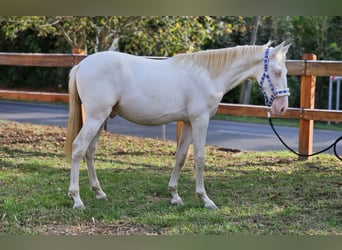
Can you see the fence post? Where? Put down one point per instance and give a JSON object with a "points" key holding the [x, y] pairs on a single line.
{"points": [[307, 100]]}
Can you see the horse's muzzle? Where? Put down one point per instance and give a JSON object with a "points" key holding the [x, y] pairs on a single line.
{"points": [[279, 105]]}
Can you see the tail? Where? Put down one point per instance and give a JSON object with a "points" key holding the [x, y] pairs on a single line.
{"points": [[75, 113]]}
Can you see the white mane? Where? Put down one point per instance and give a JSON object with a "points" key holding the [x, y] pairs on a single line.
{"points": [[217, 60]]}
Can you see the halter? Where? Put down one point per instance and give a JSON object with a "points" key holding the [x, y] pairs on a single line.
{"points": [[275, 93]]}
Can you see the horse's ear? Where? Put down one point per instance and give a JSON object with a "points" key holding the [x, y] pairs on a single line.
{"points": [[282, 47], [282, 44], [286, 48], [268, 44]]}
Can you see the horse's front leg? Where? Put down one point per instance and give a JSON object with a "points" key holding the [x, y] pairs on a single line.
{"points": [[182, 151], [199, 130]]}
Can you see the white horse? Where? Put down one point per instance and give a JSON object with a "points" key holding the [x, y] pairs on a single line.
{"points": [[186, 87]]}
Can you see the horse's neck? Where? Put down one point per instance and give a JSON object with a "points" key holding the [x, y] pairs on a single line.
{"points": [[247, 66]]}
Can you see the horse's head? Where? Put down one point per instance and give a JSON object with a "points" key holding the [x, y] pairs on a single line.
{"points": [[273, 80]]}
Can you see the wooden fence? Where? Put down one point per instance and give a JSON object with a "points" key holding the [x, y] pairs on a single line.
{"points": [[308, 68]]}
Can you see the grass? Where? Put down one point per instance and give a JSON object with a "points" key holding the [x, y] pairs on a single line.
{"points": [[257, 192]]}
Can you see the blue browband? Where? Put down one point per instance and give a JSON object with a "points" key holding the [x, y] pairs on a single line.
{"points": [[275, 93]]}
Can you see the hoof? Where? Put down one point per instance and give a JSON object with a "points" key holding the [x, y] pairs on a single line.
{"points": [[78, 203], [101, 196], [177, 202], [79, 206], [211, 206]]}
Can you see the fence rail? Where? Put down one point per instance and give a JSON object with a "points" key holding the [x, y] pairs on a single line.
{"points": [[40, 60], [308, 68], [294, 67], [291, 113]]}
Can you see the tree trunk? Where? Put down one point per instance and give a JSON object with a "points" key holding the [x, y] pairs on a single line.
{"points": [[247, 85]]}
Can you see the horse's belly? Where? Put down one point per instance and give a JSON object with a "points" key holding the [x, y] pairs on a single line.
{"points": [[150, 116]]}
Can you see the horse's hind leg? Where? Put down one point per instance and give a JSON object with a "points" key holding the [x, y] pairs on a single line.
{"points": [[182, 151], [94, 183], [79, 149]]}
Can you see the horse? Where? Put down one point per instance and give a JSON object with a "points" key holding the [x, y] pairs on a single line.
{"points": [[186, 87]]}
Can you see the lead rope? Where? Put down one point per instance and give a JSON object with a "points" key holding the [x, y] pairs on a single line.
{"points": [[334, 145]]}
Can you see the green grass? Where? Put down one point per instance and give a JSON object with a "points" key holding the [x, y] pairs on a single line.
{"points": [[257, 192]]}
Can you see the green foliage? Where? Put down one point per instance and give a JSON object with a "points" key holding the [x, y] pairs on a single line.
{"points": [[161, 36], [166, 36]]}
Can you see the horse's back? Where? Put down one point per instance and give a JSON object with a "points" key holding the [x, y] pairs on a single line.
{"points": [[102, 62], [116, 66]]}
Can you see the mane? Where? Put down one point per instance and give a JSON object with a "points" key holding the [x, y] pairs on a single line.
{"points": [[217, 60]]}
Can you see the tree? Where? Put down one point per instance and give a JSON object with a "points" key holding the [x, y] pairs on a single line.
{"points": [[166, 36], [247, 85], [70, 28], [79, 32]]}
